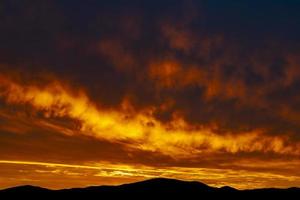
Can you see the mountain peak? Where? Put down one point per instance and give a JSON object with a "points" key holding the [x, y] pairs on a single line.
{"points": [[25, 188]]}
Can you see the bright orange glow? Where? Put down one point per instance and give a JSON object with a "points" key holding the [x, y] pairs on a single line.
{"points": [[176, 138], [92, 173]]}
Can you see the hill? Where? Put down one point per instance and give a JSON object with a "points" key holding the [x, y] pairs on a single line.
{"points": [[158, 187]]}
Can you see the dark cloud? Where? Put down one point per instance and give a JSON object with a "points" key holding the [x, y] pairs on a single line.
{"points": [[229, 64]]}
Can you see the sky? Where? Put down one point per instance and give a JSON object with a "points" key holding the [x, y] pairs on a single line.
{"points": [[112, 92]]}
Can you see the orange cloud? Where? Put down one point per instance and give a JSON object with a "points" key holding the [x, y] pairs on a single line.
{"points": [[173, 74], [152, 83], [140, 130], [165, 73]]}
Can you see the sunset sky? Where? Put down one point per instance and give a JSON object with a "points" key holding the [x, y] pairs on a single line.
{"points": [[96, 92]]}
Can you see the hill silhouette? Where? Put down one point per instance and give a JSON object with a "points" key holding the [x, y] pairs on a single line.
{"points": [[157, 187]]}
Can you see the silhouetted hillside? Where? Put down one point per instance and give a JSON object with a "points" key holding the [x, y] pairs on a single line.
{"points": [[152, 188]]}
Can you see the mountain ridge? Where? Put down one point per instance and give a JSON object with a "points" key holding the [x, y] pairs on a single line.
{"points": [[151, 188]]}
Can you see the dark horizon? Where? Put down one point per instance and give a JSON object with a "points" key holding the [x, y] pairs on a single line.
{"points": [[154, 181], [152, 188]]}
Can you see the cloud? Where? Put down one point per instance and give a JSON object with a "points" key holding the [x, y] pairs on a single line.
{"points": [[139, 130], [175, 81]]}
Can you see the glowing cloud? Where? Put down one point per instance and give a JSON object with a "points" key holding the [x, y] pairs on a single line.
{"points": [[140, 130]]}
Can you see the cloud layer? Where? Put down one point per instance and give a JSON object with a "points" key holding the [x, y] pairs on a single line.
{"points": [[179, 83]]}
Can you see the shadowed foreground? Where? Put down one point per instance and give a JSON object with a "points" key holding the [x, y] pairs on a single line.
{"points": [[152, 188]]}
